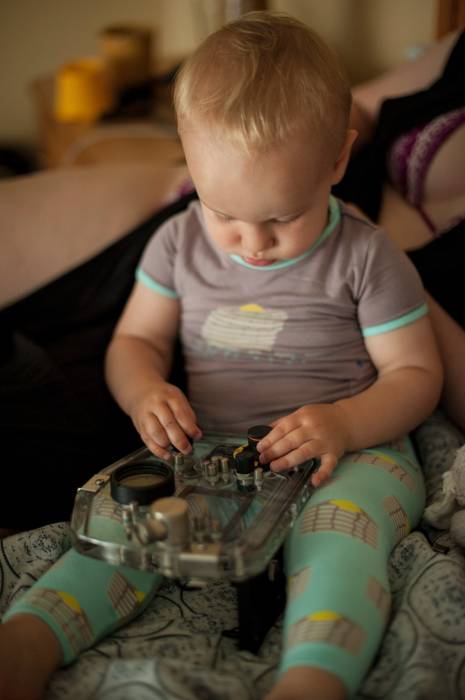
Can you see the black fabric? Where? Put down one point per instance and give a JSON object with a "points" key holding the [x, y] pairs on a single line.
{"points": [[364, 178], [363, 182], [58, 422], [441, 265]]}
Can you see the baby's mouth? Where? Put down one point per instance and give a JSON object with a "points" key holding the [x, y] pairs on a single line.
{"points": [[258, 262]]}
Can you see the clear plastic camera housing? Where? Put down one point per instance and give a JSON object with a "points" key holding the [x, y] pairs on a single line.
{"points": [[231, 527]]}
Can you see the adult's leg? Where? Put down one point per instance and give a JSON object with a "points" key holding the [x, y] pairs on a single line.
{"points": [[451, 340], [54, 220], [440, 264]]}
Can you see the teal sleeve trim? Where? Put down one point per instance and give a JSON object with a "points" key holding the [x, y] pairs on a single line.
{"points": [[397, 322], [147, 281]]}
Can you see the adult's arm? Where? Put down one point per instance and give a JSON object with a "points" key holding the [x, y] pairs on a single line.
{"points": [[451, 341]]}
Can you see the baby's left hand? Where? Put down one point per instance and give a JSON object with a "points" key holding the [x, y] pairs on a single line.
{"points": [[317, 430]]}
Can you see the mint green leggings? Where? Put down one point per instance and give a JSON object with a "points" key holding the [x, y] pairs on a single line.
{"points": [[336, 561]]}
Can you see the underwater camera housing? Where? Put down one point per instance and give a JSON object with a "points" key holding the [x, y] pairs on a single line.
{"points": [[216, 513]]}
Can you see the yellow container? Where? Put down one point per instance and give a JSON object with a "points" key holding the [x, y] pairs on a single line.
{"points": [[82, 91]]}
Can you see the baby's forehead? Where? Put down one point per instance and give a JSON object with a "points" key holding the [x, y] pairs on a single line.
{"points": [[256, 192]]}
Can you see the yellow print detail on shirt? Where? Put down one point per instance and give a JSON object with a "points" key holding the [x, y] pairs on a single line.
{"points": [[250, 327]]}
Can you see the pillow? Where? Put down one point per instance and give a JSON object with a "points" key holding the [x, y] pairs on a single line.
{"points": [[437, 441]]}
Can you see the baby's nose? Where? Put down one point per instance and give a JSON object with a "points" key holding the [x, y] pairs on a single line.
{"points": [[256, 240]]}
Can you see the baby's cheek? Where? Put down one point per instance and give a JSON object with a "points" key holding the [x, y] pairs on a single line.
{"points": [[224, 239], [230, 235]]}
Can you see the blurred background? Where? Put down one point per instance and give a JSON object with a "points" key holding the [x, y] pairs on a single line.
{"points": [[57, 111]]}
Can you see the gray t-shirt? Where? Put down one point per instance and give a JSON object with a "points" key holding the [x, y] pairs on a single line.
{"points": [[260, 342]]}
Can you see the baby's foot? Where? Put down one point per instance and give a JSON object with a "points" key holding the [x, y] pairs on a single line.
{"points": [[29, 654]]}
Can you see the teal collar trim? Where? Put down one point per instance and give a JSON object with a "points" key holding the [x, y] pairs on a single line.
{"points": [[334, 219]]}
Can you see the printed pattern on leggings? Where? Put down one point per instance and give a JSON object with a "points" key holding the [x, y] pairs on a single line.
{"points": [[84, 599], [330, 627], [336, 560], [72, 620], [338, 515], [67, 616]]}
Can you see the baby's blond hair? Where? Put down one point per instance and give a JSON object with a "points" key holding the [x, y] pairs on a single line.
{"points": [[261, 79]]}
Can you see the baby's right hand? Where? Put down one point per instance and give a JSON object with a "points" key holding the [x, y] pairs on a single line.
{"points": [[163, 416]]}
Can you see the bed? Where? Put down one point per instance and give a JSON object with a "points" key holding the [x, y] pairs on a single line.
{"points": [[177, 649]]}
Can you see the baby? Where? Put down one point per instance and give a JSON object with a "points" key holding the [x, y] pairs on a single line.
{"points": [[293, 311]]}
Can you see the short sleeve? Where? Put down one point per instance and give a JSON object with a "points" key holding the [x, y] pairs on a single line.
{"points": [[156, 266], [389, 293]]}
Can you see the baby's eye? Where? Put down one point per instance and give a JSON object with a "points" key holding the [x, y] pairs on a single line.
{"points": [[287, 220], [223, 217]]}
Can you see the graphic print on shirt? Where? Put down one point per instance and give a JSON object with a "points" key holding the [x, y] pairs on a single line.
{"points": [[248, 328]]}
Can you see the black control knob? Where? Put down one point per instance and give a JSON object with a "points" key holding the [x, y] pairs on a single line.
{"points": [[257, 433], [254, 435], [245, 461]]}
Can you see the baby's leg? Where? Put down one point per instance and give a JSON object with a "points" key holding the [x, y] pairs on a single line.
{"points": [[336, 560], [75, 604], [29, 654]]}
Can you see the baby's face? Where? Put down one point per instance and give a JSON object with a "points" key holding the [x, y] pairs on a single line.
{"points": [[265, 207]]}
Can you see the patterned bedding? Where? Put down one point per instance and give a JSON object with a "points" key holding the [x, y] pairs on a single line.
{"points": [[177, 651]]}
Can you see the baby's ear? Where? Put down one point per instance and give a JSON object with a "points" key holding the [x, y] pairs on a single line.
{"points": [[344, 155]]}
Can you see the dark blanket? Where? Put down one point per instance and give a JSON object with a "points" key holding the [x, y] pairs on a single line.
{"points": [[57, 418]]}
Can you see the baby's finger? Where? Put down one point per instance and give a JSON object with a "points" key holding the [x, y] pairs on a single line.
{"points": [[151, 426], [327, 465], [185, 416], [176, 435], [276, 433], [283, 441], [154, 436], [303, 452], [154, 447]]}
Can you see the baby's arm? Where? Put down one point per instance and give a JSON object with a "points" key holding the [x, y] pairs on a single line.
{"points": [[137, 365], [406, 391]]}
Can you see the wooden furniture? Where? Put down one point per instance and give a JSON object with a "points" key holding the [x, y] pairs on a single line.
{"points": [[451, 15], [150, 137]]}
